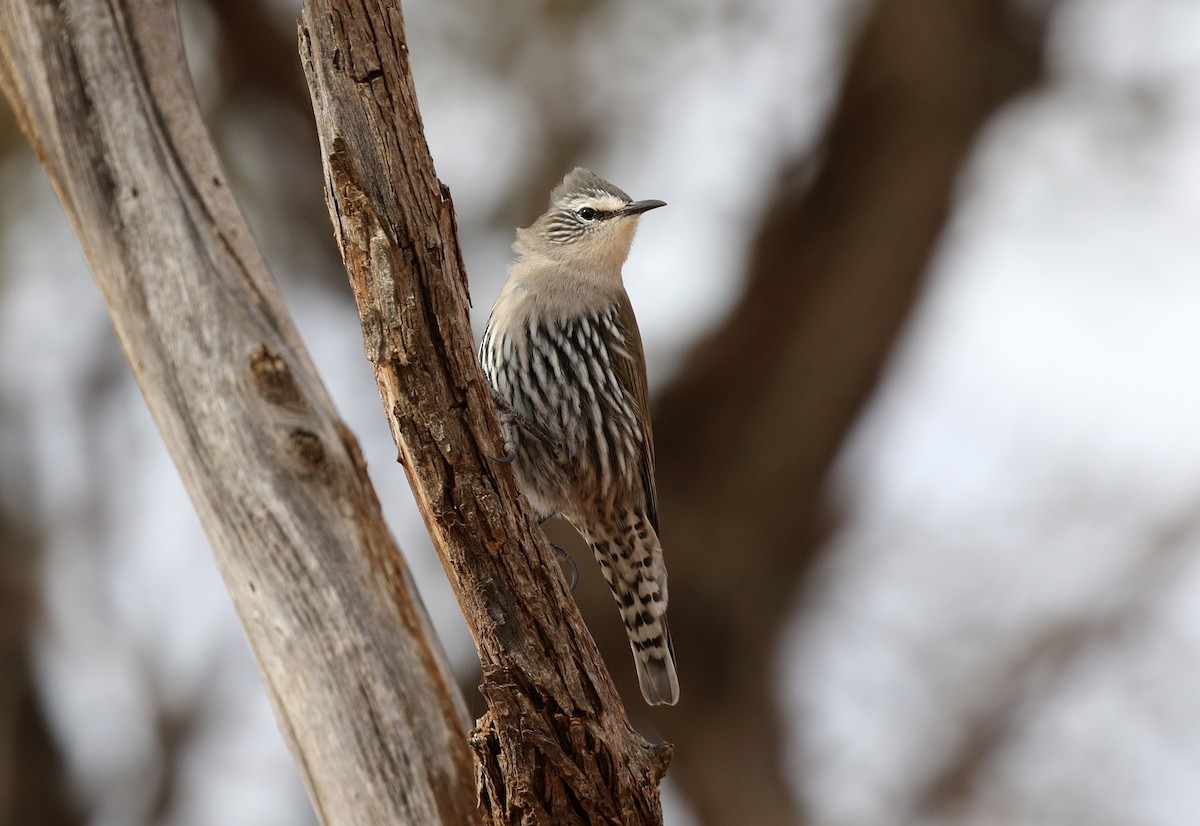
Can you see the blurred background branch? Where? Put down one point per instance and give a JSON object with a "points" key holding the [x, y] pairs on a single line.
{"points": [[33, 780], [749, 428]]}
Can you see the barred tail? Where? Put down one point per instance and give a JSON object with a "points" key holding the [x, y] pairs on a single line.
{"points": [[656, 669], [633, 567]]}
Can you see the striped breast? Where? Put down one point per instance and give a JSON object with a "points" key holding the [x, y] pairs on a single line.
{"points": [[570, 376]]}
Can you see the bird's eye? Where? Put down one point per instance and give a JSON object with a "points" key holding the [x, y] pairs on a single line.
{"points": [[587, 213]]}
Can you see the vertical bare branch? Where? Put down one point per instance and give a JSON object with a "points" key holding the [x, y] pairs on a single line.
{"points": [[555, 745], [101, 90]]}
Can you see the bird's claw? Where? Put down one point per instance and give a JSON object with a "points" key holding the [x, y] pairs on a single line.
{"points": [[566, 557], [507, 417], [510, 421], [508, 457]]}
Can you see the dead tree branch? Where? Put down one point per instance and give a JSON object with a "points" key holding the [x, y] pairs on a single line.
{"points": [[555, 745], [102, 92]]}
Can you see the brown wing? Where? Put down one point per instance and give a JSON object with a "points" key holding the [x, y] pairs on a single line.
{"points": [[632, 375]]}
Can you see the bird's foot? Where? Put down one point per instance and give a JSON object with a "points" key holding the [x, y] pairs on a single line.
{"points": [[510, 421], [507, 419], [565, 557]]}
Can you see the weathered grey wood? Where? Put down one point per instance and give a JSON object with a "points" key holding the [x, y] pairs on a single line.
{"points": [[555, 745], [102, 92]]}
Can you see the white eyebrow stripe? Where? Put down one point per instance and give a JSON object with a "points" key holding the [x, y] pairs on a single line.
{"points": [[601, 202]]}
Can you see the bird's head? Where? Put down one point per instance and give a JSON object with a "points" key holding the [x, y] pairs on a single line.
{"points": [[589, 221]]}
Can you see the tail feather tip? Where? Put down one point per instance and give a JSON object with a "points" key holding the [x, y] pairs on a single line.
{"points": [[659, 682]]}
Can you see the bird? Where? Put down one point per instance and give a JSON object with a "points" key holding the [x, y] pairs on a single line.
{"points": [[563, 356]]}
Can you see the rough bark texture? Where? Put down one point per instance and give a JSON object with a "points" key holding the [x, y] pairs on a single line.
{"points": [[748, 431], [555, 745], [101, 90]]}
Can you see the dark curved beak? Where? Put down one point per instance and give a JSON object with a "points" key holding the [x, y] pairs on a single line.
{"points": [[638, 207]]}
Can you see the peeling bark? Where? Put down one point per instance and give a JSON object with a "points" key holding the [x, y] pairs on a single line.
{"points": [[555, 745]]}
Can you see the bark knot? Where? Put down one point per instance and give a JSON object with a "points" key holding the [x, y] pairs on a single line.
{"points": [[273, 379], [305, 450]]}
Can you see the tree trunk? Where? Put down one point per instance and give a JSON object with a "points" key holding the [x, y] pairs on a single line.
{"points": [[555, 745], [364, 698]]}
